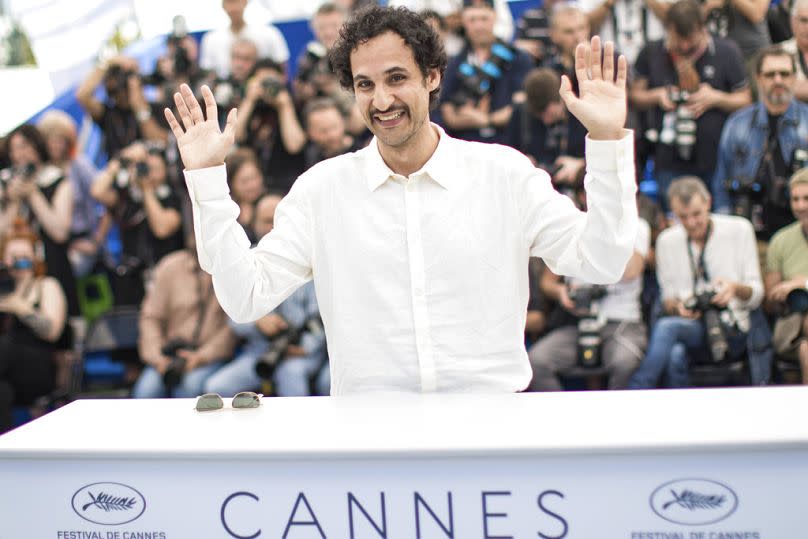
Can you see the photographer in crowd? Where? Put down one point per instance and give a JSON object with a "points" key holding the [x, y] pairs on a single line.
{"points": [[134, 189], [179, 64], [268, 124], [246, 186], [86, 230], [541, 128], [184, 335], [761, 146], [229, 91], [42, 196], [596, 326], [33, 314], [709, 279], [326, 131], [797, 46], [125, 116], [286, 347], [481, 81], [787, 279], [688, 84], [215, 46]]}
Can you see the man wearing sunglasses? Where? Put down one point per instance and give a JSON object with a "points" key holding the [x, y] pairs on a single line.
{"points": [[761, 146]]}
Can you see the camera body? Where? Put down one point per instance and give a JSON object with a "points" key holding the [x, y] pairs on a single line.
{"points": [[25, 171], [272, 86], [748, 195], [585, 299], [315, 63], [174, 373], [279, 349], [117, 79], [715, 327]]}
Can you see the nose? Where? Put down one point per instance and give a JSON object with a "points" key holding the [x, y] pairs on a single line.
{"points": [[382, 98]]}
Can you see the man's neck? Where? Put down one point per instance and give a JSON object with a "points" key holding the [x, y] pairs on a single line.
{"points": [[237, 25], [410, 158], [777, 110]]}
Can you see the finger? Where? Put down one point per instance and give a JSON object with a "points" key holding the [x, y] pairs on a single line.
{"points": [[622, 71], [565, 90], [608, 61], [211, 112], [173, 123], [581, 66], [193, 105], [182, 110], [594, 59], [230, 127]]}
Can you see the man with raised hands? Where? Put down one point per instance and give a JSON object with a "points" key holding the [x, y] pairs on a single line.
{"points": [[418, 243]]}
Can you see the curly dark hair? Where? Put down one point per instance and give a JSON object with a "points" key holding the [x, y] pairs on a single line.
{"points": [[364, 25]]}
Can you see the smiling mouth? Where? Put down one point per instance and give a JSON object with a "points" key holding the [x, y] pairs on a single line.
{"points": [[390, 116]]}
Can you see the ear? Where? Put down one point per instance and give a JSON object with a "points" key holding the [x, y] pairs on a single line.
{"points": [[432, 79]]}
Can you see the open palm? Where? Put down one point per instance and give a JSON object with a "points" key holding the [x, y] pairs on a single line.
{"points": [[201, 143], [601, 103]]}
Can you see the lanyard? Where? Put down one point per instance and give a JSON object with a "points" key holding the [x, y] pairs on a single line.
{"points": [[700, 270]]}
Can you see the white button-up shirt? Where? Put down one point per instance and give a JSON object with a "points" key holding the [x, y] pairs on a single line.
{"points": [[422, 281]]}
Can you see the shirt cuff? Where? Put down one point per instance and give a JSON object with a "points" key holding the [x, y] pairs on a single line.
{"points": [[207, 183], [610, 155]]}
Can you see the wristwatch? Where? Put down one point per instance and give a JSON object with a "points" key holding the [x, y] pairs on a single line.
{"points": [[142, 115]]}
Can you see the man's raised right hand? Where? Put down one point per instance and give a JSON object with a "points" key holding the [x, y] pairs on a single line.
{"points": [[202, 144]]}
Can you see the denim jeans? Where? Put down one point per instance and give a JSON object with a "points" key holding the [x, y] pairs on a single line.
{"points": [[673, 341], [150, 384], [291, 377]]}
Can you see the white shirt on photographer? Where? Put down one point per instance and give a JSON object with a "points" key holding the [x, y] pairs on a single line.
{"points": [[214, 50], [422, 282]]}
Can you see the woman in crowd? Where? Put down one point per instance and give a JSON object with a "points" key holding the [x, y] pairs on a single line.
{"points": [[246, 186], [59, 130], [33, 312], [42, 195]]}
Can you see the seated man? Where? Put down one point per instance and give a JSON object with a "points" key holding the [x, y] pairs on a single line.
{"points": [[616, 317], [184, 336], [709, 257], [786, 271], [300, 362]]}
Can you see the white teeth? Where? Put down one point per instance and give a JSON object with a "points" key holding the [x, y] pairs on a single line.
{"points": [[388, 117]]}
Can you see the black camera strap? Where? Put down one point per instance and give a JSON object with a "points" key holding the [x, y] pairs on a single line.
{"points": [[699, 269]]}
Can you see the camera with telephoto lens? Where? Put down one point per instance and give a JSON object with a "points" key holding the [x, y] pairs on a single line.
{"points": [[227, 93], [684, 125], [585, 299], [182, 61], [748, 195], [176, 369], [314, 63], [279, 348], [716, 321], [476, 81]]}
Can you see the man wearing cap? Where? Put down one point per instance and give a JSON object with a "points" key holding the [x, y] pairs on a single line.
{"points": [[481, 81], [786, 272]]}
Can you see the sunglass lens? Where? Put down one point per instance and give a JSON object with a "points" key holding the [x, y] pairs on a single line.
{"points": [[209, 401], [246, 399]]}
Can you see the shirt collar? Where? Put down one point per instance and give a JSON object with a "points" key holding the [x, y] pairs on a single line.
{"points": [[441, 167]]}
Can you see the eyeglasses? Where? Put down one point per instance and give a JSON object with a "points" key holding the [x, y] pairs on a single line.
{"points": [[771, 74], [213, 401]]}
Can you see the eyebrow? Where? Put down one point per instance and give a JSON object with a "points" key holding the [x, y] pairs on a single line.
{"points": [[396, 69]]}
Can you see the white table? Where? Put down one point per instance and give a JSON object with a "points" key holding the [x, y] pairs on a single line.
{"points": [[680, 464]]}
